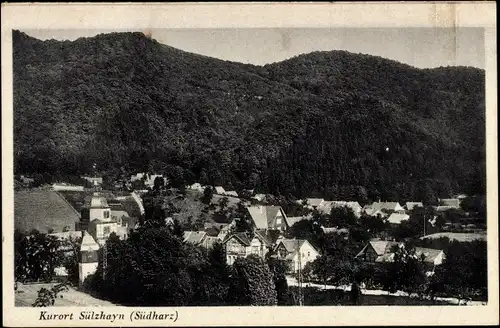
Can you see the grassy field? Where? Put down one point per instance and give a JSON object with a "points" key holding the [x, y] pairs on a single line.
{"points": [[43, 210], [461, 237], [27, 294], [314, 296]]}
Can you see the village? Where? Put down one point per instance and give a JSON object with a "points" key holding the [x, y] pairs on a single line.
{"points": [[253, 224]]}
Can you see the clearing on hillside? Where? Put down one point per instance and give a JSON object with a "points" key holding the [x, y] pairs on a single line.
{"points": [[43, 210], [459, 236]]}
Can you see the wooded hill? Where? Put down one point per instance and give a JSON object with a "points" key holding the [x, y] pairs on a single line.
{"points": [[333, 123]]}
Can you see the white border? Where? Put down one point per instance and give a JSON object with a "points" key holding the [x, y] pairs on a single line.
{"points": [[238, 15]]}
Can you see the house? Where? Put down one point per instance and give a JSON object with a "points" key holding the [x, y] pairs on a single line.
{"points": [[450, 202], [388, 207], [149, 179], [219, 190], [380, 251], [242, 244], [231, 193], [411, 205], [268, 217], [397, 218], [88, 261], [298, 252], [26, 181], [102, 224]]}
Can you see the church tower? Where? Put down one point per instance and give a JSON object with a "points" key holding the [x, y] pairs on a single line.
{"points": [[88, 261]]}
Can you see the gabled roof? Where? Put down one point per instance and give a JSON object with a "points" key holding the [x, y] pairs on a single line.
{"points": [[194, 237], [119, 214], [391, 206], [291, 245], [411, 205], [380, 247], [396, 218], [88, 243], [259, 197], [231, 193], [429, 253], [241, 237], [219, 190], [268, 237], [263, 216], [374, 212]]}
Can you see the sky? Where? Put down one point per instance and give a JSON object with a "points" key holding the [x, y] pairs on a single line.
{"points": [[418, 47]]}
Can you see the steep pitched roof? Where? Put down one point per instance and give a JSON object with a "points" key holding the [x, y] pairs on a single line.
{"points": [[241, 237], [263, 216], [268, 237], [429, 253], [291, 245], [396, 218], [219, 190], [291, 220], [194, 237], [231, 193], [88, 243], [390, 206]]}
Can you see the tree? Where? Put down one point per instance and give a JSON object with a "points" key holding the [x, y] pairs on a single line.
{"points": [[279, 268], [406, 272], [37, 255], [208, 193], [71, 259], [47, 297], [177, 229], [252, 283]]}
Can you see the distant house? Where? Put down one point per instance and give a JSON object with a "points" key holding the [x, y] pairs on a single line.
{"points": [[93, 180], [388, 207], [242, 244], [231, 193], [259, 197], [219, 190], [397, 218], [298, 252], [66, 187], [197, 187], [102, 223], [450, 202], [266, 217], [411, 205], [88, 261], [381, 251]]}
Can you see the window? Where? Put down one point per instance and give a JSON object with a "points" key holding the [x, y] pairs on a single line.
{"points": [[106, 214], [308, 254], [106, 230]]}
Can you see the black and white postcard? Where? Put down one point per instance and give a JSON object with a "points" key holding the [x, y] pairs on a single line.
{"points": [[249, 164]]}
